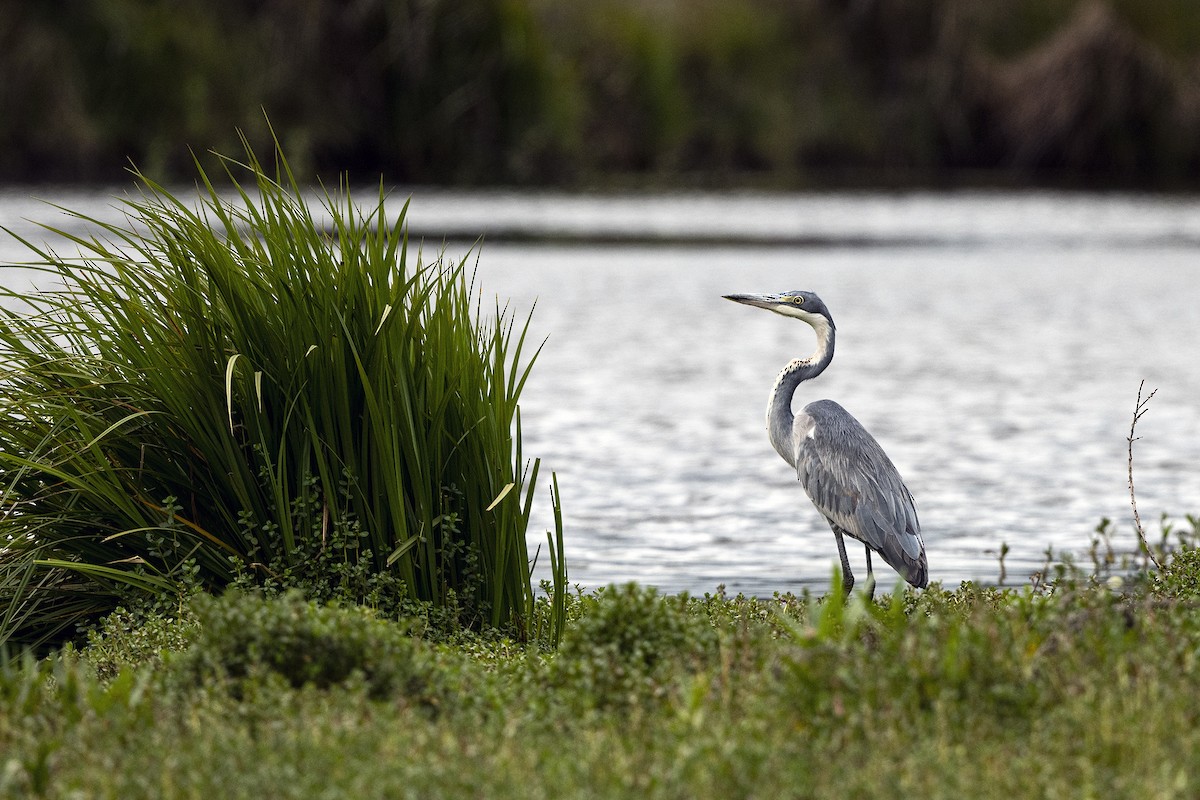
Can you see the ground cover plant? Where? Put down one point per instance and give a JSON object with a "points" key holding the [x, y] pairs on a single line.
{"points": [[240, 388], [1080, 684]]}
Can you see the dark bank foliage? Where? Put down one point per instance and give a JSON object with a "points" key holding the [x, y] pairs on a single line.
{"points": [[541, 92]]}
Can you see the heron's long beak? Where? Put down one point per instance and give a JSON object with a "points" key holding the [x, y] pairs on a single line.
{"points": [[768, 301]]}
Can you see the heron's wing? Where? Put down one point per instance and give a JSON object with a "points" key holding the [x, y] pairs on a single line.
{"points": [[854, 484]]}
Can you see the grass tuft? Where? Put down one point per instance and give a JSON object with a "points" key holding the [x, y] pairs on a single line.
{"points": [[237, 389]]}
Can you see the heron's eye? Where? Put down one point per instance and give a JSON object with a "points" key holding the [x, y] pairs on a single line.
{"points": [[798, 300]]}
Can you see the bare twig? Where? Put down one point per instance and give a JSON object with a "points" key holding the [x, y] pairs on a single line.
{"points": [[1141, 408]]}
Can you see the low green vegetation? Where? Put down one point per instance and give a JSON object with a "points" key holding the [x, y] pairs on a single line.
{"points": [[1083, 686], [253, 387]]}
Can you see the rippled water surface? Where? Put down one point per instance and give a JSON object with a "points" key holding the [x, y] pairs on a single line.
{"points": [[993, 343]]}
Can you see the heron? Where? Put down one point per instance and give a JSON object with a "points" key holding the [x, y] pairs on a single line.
{"points": [[842, 468]]}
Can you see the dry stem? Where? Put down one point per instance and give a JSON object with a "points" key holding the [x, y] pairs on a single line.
{"points": [[1141, 408]]}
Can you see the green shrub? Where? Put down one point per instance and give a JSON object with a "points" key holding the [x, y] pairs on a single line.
{"points": [[1180, 576], [239, 388], [630, 644], [139, 636], [246, 637]]}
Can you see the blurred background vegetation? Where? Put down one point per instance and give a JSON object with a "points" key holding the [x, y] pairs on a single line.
{"points": [[789, 93]]}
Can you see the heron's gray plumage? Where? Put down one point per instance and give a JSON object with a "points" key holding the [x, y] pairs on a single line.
{"points": [[855, 486], [843, 469]]}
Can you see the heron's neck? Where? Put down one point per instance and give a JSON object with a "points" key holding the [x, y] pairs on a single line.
{"points": [[779, 407]]}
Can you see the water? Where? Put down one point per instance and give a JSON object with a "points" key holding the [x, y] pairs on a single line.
{"points": [[993, 343]]}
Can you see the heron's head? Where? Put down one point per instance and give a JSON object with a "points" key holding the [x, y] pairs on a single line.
{"points": [[799, 304]]}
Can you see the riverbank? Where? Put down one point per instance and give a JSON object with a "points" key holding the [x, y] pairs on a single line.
{"points": [[1075, 687], [818, 93]]}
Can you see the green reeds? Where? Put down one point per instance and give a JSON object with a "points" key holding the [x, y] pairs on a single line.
{"points": [[234, 388]]}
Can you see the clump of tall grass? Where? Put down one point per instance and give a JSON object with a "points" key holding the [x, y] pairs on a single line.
{"points": [[239, 389]]}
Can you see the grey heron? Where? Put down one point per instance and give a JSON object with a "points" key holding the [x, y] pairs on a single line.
{"points": [[843, 469]]}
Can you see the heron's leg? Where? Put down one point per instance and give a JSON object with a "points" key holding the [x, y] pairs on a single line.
{"points": [[847, 575], [870, 575]]}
